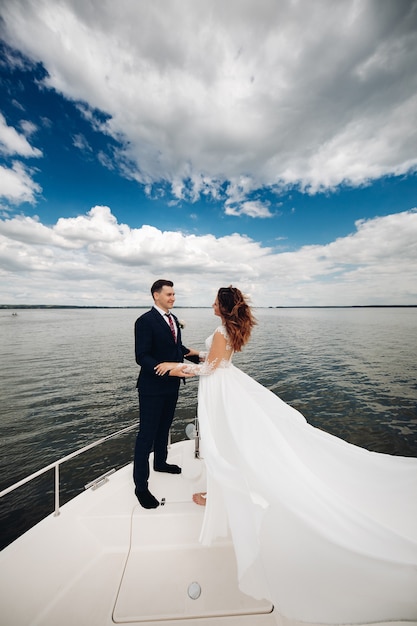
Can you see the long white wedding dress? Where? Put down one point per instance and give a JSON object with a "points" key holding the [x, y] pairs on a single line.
{"points": [[324, 529]]}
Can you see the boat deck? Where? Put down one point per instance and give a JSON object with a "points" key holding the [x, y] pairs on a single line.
{"points": [[106, 560]]}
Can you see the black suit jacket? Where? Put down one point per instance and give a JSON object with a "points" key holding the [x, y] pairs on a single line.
{"points": [[154, 344]]}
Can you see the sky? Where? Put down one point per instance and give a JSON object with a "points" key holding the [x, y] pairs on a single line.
{"points": [[268, 144]]}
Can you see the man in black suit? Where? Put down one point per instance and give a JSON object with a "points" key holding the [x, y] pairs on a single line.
{"points": [[157, 340]]}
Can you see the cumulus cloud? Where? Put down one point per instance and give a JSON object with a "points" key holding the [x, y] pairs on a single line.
{"points": [[14, 143], [17, 184], [80, 142], [253, 208], [288, 93], [94, 260]]}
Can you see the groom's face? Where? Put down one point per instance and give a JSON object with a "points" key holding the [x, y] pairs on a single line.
{"points": [[165, 298]]}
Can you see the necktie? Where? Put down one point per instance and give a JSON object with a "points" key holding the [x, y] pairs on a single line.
{"points": [[171, 323]]}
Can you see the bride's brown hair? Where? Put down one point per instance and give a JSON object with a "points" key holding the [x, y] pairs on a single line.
{"points": [[236, 315]]}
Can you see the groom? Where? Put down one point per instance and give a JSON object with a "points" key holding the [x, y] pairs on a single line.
{"points": [[157, 340]]}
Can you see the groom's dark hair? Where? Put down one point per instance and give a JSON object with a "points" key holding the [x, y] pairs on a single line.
{"points": [[158, 284]]}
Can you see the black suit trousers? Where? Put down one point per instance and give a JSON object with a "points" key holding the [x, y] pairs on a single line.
{"points": [[155, 418]]}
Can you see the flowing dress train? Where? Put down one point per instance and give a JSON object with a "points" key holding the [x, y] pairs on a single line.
{"points": [[324, 529]]}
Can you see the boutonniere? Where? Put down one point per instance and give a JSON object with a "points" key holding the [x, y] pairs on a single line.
{"points": [[181, 324]]}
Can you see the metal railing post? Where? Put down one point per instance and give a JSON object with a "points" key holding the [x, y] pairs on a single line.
{"points": [[57, 511], [196, 440]]}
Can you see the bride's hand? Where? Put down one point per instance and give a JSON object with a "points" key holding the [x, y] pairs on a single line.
{"points": [[173, 369], [181, 371], [162, 368]]}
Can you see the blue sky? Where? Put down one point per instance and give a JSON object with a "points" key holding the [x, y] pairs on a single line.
{"points": [[267, 144]]}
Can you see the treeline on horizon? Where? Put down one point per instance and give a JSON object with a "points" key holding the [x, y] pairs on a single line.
{"points": [[312, 306]]}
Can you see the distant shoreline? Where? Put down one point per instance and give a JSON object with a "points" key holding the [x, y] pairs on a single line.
{"points": [[330, 306]]}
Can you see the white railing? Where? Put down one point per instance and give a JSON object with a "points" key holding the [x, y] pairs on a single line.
{"points": [[57, 464]]}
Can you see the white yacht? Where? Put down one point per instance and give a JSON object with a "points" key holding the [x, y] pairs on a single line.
{"points": [[101, 559]]}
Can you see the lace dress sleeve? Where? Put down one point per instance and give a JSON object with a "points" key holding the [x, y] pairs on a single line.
{"points": [[218, 355]]}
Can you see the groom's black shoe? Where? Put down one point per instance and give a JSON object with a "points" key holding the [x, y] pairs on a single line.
{"points": [[169, 469], [146, 499]]}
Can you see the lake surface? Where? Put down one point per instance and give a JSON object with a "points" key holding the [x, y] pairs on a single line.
{"points": [[68, 376]]}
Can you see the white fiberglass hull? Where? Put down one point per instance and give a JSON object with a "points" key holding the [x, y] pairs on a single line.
{"points": [[105, 560]]}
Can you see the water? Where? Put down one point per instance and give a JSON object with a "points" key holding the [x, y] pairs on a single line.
{"points": [[67, 378]]}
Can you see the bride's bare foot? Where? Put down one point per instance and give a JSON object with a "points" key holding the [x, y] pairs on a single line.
{"points": [[200, 498]]}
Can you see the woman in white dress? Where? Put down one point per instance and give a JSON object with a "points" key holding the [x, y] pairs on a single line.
{"points": [[325, 530]]}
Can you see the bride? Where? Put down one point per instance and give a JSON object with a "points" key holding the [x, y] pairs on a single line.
{"points": [[325, 530]]}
